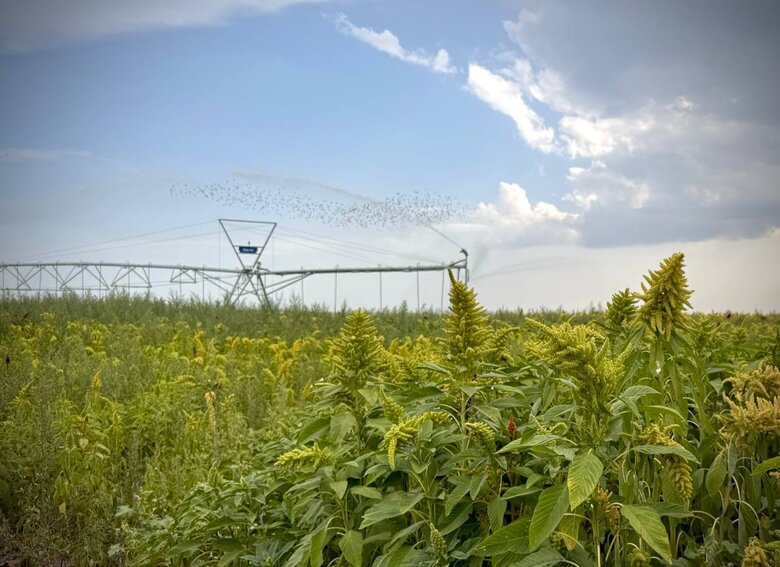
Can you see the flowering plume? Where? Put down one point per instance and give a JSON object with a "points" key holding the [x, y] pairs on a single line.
{"points": [[665, 294]]}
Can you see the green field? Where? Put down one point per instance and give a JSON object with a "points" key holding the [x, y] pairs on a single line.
{"points": [[139, 432]]}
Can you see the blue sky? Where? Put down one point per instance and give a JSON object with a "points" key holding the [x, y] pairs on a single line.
{"points": [[596, 136]]}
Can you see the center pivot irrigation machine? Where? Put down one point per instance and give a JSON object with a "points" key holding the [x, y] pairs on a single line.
{"points": [[249, 281]]}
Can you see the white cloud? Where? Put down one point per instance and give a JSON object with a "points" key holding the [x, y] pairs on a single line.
{"points": [[674, 161], [387, 42], [516, 29], [684, 103], [545, 85], [513, 219], [506, 96], [594, 137], [34, 23], [598, 185], [515, 207]]}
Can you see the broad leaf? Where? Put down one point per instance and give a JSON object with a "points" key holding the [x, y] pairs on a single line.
{"points": [[367, 492], [459, 515], [351, 546], [313, 430], [475, 487], [339, 487], [462, 484], [231, 547], [513, 537], [630, 396], [546, 557], [407, 557], [666, 450], [552, 505], [716, 475], [496, 509], [533, 441], [395, 504], [768, 465], [518, 491], [434, 367], [584, 475], [637, 391], [569, 528], [318, 541], [671, 509], [401, 536], [341, 424], [647, 523]]}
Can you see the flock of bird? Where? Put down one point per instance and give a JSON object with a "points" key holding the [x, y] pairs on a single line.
{"points": [[313, 202]]}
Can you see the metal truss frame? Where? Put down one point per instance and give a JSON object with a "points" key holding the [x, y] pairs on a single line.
{"points": [[104, 277], [251, 279]]}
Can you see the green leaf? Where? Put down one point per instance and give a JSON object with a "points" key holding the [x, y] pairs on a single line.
{"points": [[339, 487], [637, 391], [732, 459], [462, 484], [227, 544], [367, 492], [393, 505], [513, 537], [647, 523], [496, 509], [313, 430], [434, 367], [666, 450], [716, 475], [460, 514], [341, 424], [546, 557], [318, 541], [518, 491], [185, 547], [401, 536], [411, 558], [469, 390], [424, 393], [232, 549], [768, 465], [552, 505], [584, 475], [671, 510], [396, 558], [534, 441], [569, 528], [476, 485], [508, 403], [351, 546], [652, 410], [629, 397], [557, 411], [370, 395]]}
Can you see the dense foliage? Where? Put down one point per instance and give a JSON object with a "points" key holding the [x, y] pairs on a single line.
{"points": [[134, 432]]}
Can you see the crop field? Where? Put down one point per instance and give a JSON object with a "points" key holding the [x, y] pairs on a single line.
{"points": [[137, 432]]}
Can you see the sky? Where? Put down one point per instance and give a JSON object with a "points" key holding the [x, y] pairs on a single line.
{"points": [[568, 146]]}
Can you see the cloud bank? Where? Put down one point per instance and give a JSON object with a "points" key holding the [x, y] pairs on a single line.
{"points": [[640, 169]]}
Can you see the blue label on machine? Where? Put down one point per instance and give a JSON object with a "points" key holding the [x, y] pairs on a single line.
{"points": [[247, 249]]}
